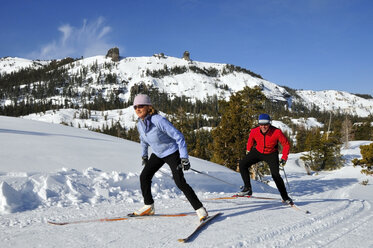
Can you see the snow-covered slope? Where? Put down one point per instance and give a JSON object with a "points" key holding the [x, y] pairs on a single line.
{"points": [[97, 120], [336, 101], [59, 173], [195, 85], [14, 64], [134, 70], [177, 77]]}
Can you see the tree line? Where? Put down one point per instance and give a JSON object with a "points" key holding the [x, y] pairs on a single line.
{"points": [[225, 141]]}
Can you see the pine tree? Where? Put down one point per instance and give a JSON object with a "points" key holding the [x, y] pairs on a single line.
{"points": [[363, 131], [311, 145], [201, 148], [301, 134], [332, 158], [238, 116], [367, 161], [323, 151]]}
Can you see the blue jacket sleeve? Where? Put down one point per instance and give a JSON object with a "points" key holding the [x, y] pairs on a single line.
{"points": [[144, 144], [175, 134]]}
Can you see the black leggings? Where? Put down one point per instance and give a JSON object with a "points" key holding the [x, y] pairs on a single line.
{"points": [[153, 165], [254, 157]]}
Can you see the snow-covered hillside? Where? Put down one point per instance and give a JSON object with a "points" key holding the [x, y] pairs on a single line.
{"points": [[59, 173], [177, 76], [336, 101], [97, 119], [14, 64], [133, 70]]}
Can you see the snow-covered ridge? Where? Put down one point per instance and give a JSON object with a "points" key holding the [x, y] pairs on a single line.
{"points": [[14, 64], [131, 71], [336, 101]]}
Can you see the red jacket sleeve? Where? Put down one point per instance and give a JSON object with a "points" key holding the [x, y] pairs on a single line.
{"points": [[285, 145], [250, 141]]}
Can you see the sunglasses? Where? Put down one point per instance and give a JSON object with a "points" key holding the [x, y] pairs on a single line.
{"points": [[267, 124], [139, 106]]}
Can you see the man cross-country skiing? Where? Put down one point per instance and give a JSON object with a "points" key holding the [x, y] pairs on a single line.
{"points": [[262, 145]]}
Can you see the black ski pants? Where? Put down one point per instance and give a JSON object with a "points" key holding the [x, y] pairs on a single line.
{"points": [[153, 165], [272, 160]]}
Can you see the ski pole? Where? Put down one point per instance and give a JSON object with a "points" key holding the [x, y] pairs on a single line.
{"points": [[287, 182], [200, 172]]}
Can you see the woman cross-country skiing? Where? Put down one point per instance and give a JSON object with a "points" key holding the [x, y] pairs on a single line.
{"points": [[262, 145], [168, 146]]}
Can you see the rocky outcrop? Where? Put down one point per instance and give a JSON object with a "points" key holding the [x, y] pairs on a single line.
{"points": [[186, 56], [113, 53]]}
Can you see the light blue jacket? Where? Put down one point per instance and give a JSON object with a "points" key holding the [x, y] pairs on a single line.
{"points": [[164, 139]]}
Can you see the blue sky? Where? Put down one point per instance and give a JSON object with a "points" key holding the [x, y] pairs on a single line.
{"points": [[302, 44]]}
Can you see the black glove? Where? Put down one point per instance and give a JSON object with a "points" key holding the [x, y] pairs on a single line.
{"points": [[282, 162], [144, 160], [185, 164]]}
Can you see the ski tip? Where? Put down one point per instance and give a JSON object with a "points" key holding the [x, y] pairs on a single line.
{"points": [[56, 223], [181, 240]]}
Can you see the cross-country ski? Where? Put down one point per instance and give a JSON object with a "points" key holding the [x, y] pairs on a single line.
{"points": [[111, 219], [198, 229]]}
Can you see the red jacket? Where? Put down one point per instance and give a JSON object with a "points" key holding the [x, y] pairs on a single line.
{"points": [[268, 143]]}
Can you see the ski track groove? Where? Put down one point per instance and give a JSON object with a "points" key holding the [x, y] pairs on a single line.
{"points": [[315, 230], [329, 220], [349, 215], [344, 222]]}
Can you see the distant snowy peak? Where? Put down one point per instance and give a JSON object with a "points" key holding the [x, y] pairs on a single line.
{"points": [[14, 64], [336, 101], [178, 76], [193, 79]]}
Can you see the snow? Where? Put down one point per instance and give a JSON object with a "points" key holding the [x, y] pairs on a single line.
{"points": [[14, 64], [336, 101], [60, 173], [307, 123], [97, 119], [131, 71]]}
